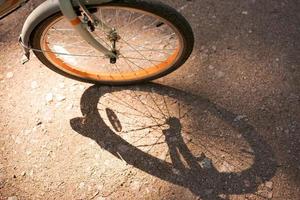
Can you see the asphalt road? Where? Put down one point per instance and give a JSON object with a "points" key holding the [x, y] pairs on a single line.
{"points": [[240, 90]]}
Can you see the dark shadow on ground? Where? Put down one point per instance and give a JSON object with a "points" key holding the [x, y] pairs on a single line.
{"points": [[197, 179]]}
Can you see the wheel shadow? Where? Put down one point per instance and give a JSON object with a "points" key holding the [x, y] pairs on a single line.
{"points": [[205, 182]]}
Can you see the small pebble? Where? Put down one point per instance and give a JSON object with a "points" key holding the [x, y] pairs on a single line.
{"points": [[81, 185], [214, 48], [270, 195], [245, 12], [240, 117], [12, 198], [70, 107], [61, 85], [38, 122], [60, 98], [269, 184], [31, 173], [247, 183], [220, 74], [34, 85], [202, 48], [182, 7], [58, 105], [9, 75], [206, 163], [72, 89], [49, 97], [175, 171], [211, 67], [81, 87]]}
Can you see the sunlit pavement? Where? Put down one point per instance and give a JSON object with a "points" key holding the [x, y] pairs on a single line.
{"points": [[224, 126]]}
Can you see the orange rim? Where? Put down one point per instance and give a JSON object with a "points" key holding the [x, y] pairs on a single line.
{"points": [[110, 77]]}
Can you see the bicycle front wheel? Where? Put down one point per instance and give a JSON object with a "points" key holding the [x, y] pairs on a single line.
{"points": [[154, 41]]}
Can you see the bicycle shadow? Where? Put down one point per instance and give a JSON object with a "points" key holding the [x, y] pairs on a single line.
{"points": [[197, 179]]}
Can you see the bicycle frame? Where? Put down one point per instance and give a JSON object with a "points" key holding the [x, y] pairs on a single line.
{"points": [[67, 7]]}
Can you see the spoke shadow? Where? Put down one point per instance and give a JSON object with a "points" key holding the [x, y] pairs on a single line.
{"points": [[191, 175]]}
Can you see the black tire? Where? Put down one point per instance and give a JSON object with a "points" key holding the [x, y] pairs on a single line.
{"points": [[153, 6]]}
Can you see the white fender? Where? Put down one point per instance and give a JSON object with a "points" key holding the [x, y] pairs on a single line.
{"points": [[42, 12]]}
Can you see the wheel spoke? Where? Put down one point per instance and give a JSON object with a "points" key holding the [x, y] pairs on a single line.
{"points": [[127, 60], [137, 50], [133, 58]]}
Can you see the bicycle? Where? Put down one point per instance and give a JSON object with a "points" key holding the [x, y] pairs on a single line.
{"points": [[115, 42]]}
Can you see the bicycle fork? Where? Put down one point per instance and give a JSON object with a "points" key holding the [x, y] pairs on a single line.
{"points": [[69, 12], [67, 7]]}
